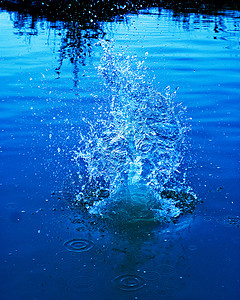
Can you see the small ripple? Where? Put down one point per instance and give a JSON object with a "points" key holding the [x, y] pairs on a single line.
{"points": [[192, 247], [151, 275], [78, 245], [207, 218], [129, 282]]}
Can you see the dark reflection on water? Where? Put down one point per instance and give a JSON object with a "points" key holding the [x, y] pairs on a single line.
{"points": [[217, 22], [77, 38], [111, 9], [79, 34], [76, 45]]}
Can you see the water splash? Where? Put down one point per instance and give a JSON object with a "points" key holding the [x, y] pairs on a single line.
{"points": [[132, 155]]}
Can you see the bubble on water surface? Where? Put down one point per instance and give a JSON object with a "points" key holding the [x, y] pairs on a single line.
{"points": [[78, 245], [129, 282]]}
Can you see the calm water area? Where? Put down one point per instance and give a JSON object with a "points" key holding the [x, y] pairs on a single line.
{"points": [[49, 87]]}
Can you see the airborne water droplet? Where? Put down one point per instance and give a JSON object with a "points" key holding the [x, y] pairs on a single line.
{"points": [[132, 154]]}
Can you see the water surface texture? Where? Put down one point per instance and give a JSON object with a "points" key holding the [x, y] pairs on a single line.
{"points": [[120, 156]]}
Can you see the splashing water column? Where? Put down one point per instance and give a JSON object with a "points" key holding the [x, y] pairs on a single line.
{"points": [[137, 149]]}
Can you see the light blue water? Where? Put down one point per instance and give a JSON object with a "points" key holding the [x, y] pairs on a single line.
{"points": [[46, 98]]}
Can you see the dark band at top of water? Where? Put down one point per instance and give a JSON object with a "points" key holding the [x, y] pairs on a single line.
{"points": [[90, 12]]}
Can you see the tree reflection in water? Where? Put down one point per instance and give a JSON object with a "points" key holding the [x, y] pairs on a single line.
{"points": [[76, 45], [76, 39], [81, 23]]}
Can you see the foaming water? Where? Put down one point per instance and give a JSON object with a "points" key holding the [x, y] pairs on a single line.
{"points": [[133, 154]]}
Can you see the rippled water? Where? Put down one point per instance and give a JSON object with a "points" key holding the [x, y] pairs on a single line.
{"points": [[126, 120]]}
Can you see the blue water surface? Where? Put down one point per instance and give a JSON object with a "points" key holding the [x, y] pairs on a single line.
{"points": [[49, 87]]}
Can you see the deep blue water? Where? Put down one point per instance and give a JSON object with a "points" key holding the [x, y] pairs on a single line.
{"points": [[49, 86]]}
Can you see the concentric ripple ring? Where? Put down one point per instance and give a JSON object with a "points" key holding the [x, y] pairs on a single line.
{"points": [[78, 245], [129, 282]]}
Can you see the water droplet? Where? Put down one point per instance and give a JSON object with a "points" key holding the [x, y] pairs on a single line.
{"points": [[138, 144]]}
